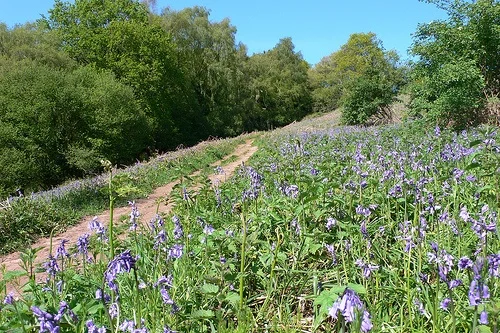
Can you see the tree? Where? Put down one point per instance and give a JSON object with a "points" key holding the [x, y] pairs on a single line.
{"points": [[458, 68], [360, 69], [123, 37], [280, 86], [213, 65], [58, 119]]}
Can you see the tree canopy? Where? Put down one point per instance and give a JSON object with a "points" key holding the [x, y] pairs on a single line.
{"points": [[458, 69], [361, 76]]}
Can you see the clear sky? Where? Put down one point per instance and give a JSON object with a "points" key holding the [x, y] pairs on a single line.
{"points": [[317, 27]]}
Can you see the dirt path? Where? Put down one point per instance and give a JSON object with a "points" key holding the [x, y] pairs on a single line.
{"points": [[147, 208]]}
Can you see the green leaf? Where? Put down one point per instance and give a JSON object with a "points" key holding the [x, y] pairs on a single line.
{"points": [[475, 143], [473, 165], [11, 275], [94, 309], [483, 329], [359, 289], [313, 248], [233, 298], [209, 288], [203, 314]]}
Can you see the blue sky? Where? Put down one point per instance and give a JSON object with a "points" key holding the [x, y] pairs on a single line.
{"points": [[317, 27]]}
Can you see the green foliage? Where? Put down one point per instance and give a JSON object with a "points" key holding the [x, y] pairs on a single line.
{"points": [[59, 123], [457, 70], [213, 65], [366, 97], [398, 222], [28, 218], [120, 36], [362, 77], [279, 82]]}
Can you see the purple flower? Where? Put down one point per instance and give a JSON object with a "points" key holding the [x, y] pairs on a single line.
{"points": [[346, 305], [61, 249], [51, 266], [465, 263], [483, 318], [166, 281], [127, 325], [208, 229], [46, 320], [291, 191], [363, 230], [9, 299], [367, 267], [494, 264], [445, 303], [176, 251], [160, 238], [134, 215], [330, 223], [296, 226], [477, 292], [455, 283], [366, 323], [464, 215], [92, 328], [470, 178], [64, 308], [178, 232], [331, 250], [166, 296], [124, 262], [113, 310], [98, 228], [364, 211], [102, 296], [82, 244], [420, 306]]}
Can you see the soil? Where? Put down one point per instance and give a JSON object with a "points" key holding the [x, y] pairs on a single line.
{"points": [[148, 208]]}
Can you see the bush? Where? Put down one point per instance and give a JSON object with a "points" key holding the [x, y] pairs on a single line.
{"points": [[57, 123]]}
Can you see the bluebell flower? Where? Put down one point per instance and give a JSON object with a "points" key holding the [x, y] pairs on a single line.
{"points": [[331, 250], [330, 223], [166, 281], [9, 299], [166, 296], [445, 303], [51, 266], [465, 263], [160, 238], [348, 305], [176, 251], [494, 265], [134, 215], [98, 228], [364, 211], [178, 232], [46, 320], [113, 310], [127, 326], [61, 249], [92, 328], [82, 244], [294, 224], [368, 268], [208, 229], [483, 318]]}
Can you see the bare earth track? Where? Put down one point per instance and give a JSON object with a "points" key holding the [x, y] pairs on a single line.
{"points": [[147, 208]]}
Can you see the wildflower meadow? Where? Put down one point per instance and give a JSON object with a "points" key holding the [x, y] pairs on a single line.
{"points": [[325, 229]]}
